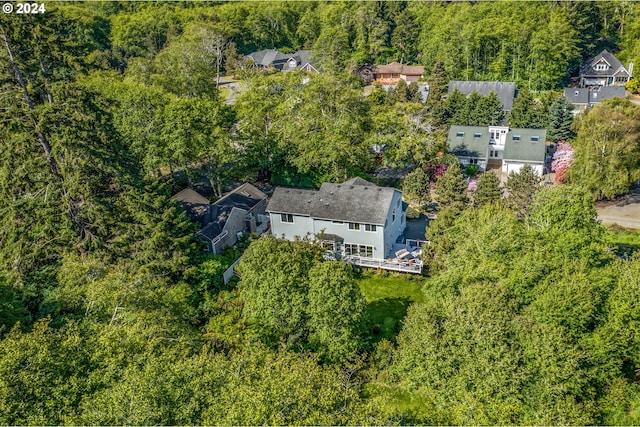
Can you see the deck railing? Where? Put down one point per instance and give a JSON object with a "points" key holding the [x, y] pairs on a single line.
{"points": [[412, 266]]}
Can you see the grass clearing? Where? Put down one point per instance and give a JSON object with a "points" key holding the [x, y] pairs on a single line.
{"points": [[627, 240], [388, 298]]}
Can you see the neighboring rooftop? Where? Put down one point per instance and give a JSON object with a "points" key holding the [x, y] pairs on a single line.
{"points": [[397, 68], [588, 67], [355, 200], [190, 196], [214, 216], [590, 96], [506, 91], [272, 57]]}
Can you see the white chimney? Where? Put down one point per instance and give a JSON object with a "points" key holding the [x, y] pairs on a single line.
{"points": [[631, 69]]}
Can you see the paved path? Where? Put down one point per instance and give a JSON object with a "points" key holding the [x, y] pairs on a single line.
{"points": [[625, 216]]}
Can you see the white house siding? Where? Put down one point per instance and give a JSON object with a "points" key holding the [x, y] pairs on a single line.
{"points": [[511, 166], [482, 163]]}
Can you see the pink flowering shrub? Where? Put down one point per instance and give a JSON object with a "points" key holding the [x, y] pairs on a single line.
{"points": [[435, 172], [562, 159], [473, 185]]}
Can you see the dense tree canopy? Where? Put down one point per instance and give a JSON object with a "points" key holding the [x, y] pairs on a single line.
{"points": [[607, 149], [111, 315]]}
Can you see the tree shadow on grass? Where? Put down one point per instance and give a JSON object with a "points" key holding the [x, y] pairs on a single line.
{"points": [[384, 318]]}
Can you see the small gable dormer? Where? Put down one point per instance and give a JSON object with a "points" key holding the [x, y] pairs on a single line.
{"points": [[292, 63], [601, 65]]}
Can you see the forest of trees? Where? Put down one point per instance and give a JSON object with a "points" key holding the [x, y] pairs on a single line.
{"points": [[111, 314]]}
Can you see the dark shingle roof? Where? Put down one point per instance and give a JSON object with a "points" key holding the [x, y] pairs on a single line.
{"points": [[586, 69], [358, 181], [577, 95], [590, 96], [348, 201], [506, 91], [190, 196], [279, 60], [526, 148], [468, 145]]}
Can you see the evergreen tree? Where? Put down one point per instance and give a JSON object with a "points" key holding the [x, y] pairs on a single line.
{"points": [[492, 108], [488, 189], [521, 115], [416, 186], [454, 108], [438, 83], [473, 113], [560, 120], [452, 189], [401, 92], [413, 93], [521, 188]]}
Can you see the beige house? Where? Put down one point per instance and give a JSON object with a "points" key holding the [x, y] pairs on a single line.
{"points": [[391, 73]]}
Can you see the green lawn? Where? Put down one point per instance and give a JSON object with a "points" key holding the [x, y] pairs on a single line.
{"points": [[627, 240], [388, 298]]}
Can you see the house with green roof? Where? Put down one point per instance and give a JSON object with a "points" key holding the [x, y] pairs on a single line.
{"points": [[498, 147]]}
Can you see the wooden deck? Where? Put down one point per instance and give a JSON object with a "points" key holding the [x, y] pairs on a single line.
{"points": [[413, 266]]}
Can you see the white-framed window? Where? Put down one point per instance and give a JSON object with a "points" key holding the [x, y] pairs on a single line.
{"points": [[535, 138], [459, 134], [516, 137], [370, 227], [477, 135], [350, 249], [473, 161], [365, 250], [286, 218], [354, 226], [393, 216], [360, 250]]}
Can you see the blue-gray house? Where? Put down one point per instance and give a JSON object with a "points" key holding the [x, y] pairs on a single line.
{"points": [[356, 220]]}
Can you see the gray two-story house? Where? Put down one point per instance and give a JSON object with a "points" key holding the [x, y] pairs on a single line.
{"points": [[357, 220]]}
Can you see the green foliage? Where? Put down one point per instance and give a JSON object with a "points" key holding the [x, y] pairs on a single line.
{"points": [[416, 186], [560, 120], [452, 190], [471, 170], [110, 316], [336, 308], [526, 112], [473, 110], [291, 295], [43, 374], [275, 286], [607, 149], [488, 189], [521, 187]]}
